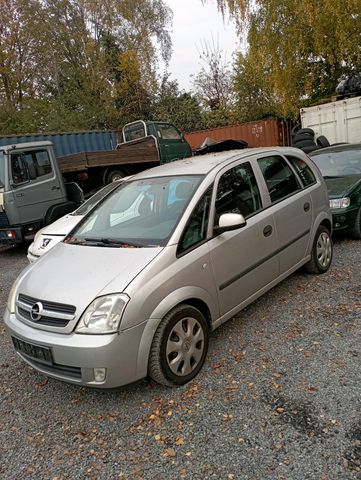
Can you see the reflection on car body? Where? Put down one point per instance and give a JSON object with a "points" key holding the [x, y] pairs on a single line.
{"points": [[49, 236], [163, 260]]}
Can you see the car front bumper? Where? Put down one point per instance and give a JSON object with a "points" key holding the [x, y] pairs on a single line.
{"points": [[344, 219], [75, 356]]}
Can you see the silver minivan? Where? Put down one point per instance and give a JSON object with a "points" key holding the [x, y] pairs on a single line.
{"points": [[136, 288]]}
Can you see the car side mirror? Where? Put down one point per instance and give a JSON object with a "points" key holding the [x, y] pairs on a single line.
{"points": [[230, 221]]}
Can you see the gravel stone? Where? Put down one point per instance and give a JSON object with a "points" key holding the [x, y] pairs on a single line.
{"points": [[279, 397]]}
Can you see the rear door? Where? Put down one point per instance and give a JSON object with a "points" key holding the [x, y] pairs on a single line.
{"points": [[245, 260], [35, 185], [291, 205]]}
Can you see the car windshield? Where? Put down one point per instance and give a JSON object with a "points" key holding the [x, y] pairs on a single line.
{"points": [[338, 163], [94, 199], [2, 169], [140, 213]]}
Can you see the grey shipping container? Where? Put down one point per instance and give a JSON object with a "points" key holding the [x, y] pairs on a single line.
{"points": [[69, 143]]}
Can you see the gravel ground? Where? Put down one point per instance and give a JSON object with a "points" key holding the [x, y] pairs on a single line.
{"points": [[278, 398]]}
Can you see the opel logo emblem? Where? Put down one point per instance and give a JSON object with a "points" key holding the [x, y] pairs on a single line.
{"points": [[36, 311]]}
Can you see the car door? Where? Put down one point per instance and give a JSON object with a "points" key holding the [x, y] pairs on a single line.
{"points": [[245, 260], [34, 183], [172, 145], [291, 205]]}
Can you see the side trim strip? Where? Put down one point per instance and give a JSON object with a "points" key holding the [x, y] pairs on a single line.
{"points": [[263, 260]]}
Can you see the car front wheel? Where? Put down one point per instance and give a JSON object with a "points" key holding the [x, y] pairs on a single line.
{"points": [[179, 346], [322, 251]]}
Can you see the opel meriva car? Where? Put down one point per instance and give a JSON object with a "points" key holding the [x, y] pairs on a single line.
{"points": [[168, 256]]}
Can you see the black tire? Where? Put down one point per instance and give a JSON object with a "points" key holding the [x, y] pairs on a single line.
{"points": [[322, 141], [295, 129], [322, 251], [183, 324], [310, 149], [303, 136], [304, 143], [114, 176], [307, 130], [356, 229]]}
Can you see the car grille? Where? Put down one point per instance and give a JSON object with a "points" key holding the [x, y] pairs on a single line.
{"points": [[4, 222], [51, 314], [65, 371]]}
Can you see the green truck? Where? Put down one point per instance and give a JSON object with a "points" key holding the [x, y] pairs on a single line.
{"points": [[36, 187]]}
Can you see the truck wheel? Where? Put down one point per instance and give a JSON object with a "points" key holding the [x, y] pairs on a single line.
{"points": [[356, 230], [179, 346], [322, 250], [114, 176]]}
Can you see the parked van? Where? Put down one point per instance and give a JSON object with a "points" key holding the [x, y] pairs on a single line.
{"points": [[169, 255]]}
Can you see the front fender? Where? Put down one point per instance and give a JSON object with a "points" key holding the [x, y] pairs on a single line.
{"points": [[168, 303]]}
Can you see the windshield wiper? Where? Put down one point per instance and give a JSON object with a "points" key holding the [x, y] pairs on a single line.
{"points": [[109, 242]]}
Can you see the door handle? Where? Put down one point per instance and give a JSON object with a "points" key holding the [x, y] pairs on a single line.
{"points": [[267, 231], [55, 188], [306, 207]]}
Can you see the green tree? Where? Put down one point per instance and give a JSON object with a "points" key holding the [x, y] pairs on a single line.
{"points": [[213, 85], [79, 64], [303, 45], [176, 106]]}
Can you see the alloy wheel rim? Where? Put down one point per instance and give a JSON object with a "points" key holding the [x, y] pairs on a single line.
{"points": [[185, 346], [324, 249]]}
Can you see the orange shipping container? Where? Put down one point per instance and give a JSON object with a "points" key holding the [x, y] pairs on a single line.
{"points": [[263, 133]]}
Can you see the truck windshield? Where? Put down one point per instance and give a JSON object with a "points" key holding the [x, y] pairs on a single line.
{"points": [[2, 169], [140, 213]]}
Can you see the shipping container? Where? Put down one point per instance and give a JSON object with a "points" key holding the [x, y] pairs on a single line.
{"points": [[263, 133], [69, 143], [338, 121]]}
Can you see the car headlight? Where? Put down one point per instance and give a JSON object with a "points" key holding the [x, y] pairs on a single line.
{"points": [[103, 315], [12, 297], [340, 202]]}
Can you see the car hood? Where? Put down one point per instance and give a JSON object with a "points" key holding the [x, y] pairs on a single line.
{"points": [[341, 186], [62, 226], [75, 275]]}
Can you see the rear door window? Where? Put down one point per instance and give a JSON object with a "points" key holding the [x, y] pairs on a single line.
{"points": [[280, 179], [304, 171]]}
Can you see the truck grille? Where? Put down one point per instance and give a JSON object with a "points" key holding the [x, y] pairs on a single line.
{"points": [[4, 222], [42, 312]]}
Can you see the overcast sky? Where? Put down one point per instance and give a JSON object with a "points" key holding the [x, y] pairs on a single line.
{"points": [[193, 24]]}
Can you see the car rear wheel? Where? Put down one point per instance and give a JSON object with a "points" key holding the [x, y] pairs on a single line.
{"points": [[356, 230], [179, 346], [322, 251]]}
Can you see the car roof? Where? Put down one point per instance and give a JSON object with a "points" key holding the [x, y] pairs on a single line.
{"points": [[203, 164], [336, 148]]}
